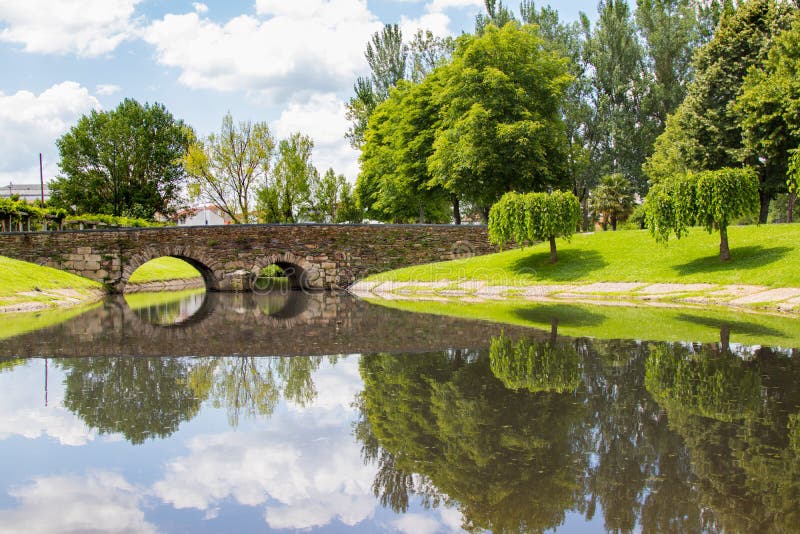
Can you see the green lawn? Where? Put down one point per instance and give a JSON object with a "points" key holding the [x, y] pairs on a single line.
{"points": [[164, 268], [766, 255], [621, 322], [23, 277], [16, 324]]}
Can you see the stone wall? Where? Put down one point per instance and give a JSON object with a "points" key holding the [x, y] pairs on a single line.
{"points": [[230, 257]]}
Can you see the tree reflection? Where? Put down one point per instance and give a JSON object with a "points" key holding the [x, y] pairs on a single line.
{"points": [[535, 366], [141, 398], [736, 411], [253, 386], [510, 460]]}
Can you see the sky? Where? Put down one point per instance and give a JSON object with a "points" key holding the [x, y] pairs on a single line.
{"points": [[290, 63]]}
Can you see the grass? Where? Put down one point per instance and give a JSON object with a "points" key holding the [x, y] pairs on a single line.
{"points": [[621, 322], [163, 269], [138, 301], [22, 277], [765, 255]]}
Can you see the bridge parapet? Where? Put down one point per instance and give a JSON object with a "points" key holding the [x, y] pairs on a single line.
{"points": [[230, 257]]}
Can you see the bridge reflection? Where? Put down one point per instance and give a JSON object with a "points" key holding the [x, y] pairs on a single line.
{"points": [[288, 323]]}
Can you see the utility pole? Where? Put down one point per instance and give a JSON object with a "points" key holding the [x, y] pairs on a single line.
{"points": [[41, 176]]}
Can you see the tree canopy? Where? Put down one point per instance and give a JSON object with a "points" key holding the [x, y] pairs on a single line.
{"points": [[123, 162]]}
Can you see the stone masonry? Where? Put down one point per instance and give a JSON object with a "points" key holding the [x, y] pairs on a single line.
{"points": [[315, 256]]}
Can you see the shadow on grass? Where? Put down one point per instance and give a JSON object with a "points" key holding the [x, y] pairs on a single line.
{"points": [[741, 258], [572, 264], [737, 327], [564, 314]]}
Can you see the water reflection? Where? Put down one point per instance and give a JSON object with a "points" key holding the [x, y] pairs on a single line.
{"points": [[505, 429]]}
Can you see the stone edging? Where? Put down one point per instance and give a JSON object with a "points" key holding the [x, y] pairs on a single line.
{"points": [[165, 285], [786, 300]]}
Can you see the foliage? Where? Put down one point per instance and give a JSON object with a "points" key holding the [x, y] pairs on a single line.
{"points": [[393, 185], [712, 199], [501, 128], [612, 199], [123, 162], [534, 217], [332, 200], [769, 107], [226, 168], [793, 171], [535, 365], [110, 220], [286, 197]]}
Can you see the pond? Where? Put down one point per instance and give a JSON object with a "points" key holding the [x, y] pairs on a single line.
{"points": [[287, 411]]}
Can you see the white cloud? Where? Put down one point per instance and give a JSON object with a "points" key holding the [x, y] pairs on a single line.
{"points": [[303, 46], [76, 504], [30, 124], [448, 520], [306, 469], [107, 89], [23, 411], [322, 117], [83, 27], [200, 7], [437, 6], [438, 23]]}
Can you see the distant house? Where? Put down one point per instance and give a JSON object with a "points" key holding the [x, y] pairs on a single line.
{"points": [[201, 216], [26, 192]]}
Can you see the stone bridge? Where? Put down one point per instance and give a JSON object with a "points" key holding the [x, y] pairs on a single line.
{"points": [[314, 256]]}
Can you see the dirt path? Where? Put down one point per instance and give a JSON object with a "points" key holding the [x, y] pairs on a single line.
{"points": [[606, 293]]}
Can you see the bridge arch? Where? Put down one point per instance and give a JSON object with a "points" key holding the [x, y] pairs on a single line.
{"points": [[203, 266], [302, 274]]}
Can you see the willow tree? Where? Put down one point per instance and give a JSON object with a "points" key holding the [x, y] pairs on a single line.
{"points": [[536, 366], [712, 199], [534, 217]]}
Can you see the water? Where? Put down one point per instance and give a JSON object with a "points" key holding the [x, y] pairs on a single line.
{"points": [[246, 413]]}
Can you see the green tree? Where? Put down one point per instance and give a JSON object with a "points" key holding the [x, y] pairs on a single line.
{"points": [[769, 107], [535, 365], [712, 199], [286, 197], [332, 200], [613, 199], [621, 83], [226, 168], [709, 118], [534, 217], [395, 184], [123, 162], [497, 15], [501, 127]]}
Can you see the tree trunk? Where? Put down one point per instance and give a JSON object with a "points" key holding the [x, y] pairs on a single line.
{"points": [[790, 210], [421, 213], [553, 254], [725, 339], [485, 214], [724, 251], [764, 211], [553, 330], [456, 209], [614, 223]]}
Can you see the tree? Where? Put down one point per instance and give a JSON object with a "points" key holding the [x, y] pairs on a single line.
{"points": [[497, 15], [769, 107], [332, 200], [709, 119], [613, 199], [713, 199], [534, 217], [620, 86], [286, 197], [501, 128], [226, 168], [395, 183], [535, 365], [123, 162]]}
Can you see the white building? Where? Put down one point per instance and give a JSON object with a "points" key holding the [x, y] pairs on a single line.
{"points": [[27, 192], [202, 216]]}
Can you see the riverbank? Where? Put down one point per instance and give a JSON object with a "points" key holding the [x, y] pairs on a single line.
{"points": [[625, 268], [26, 287]]}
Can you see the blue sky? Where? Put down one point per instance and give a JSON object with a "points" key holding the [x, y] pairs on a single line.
{"points": [[291, 63]]}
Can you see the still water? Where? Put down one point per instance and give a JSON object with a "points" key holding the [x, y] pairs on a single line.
{"points": [[284, 412]]}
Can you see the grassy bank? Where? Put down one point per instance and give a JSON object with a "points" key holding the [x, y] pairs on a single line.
{"points": [[22, 282], [766, 255], [163, 269]]}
